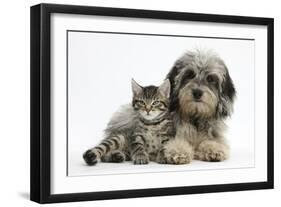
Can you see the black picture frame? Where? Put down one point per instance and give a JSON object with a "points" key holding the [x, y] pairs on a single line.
{"points": [[41, 98]]}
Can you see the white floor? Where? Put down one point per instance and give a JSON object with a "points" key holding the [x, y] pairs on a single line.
{"points": [[77, 167]]}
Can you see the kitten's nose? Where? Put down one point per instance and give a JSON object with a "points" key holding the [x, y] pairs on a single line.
{"points": [[197, 93], [147, 109]]}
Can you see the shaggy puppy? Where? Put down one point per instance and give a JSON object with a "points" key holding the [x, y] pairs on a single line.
{"points": [[202, 96]]}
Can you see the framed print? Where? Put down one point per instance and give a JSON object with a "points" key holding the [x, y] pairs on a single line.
{"points": [[133, 103]]}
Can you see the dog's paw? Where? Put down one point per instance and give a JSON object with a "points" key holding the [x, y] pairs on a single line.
{"points": [[141, 158], [175, 152], [175, 158], [211, 156], [212, 151], [90, 157]]}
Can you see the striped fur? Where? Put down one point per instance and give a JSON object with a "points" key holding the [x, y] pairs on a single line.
{"points": [[111, 149], [149, 138], [137, 132]]}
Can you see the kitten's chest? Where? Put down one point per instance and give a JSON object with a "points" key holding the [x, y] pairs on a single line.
{"points": [[152, 142], [153, 138]]}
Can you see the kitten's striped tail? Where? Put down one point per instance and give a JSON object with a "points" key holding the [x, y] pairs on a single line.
{"points": [[113, 142]]}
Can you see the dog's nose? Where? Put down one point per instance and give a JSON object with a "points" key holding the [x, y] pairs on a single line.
{"points": [[197, 93]]}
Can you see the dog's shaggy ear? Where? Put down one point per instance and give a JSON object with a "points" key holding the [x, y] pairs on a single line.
{"points": [[227, 95], [174, 93]]}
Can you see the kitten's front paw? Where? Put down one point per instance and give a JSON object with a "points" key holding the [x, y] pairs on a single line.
{"points": [[90, 157], [118, 156], [141, 158], [114, 156]]}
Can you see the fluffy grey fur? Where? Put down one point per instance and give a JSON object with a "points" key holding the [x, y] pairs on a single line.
{"points": [[122, 121], [202, 97]]}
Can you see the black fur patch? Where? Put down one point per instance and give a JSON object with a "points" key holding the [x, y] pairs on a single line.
{"points": [[187, 76], [173, 94], [172, 75], [137, 149], [116, 143], [164, 141], [90, 157], [174, 102], [228, 93], [107, 146], [100, 149], [135, 144], [229, 89]]}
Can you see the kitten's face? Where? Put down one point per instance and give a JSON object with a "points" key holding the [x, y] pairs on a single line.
{"points": [[151, 101]]}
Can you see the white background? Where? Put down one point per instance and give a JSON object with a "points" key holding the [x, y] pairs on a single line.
{"points": [[100, 69], [15, 102], [63, 184]]}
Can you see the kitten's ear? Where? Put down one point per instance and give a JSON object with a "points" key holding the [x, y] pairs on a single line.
{"points": [[165, 88], [136, 88]]}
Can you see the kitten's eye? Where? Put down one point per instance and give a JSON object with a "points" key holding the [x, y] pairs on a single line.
{"points": [[140, 102], [212, 78], [155, 103]]}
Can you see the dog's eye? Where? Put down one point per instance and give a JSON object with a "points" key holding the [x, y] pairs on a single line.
{"points": [[212, 78], [189, 74]]}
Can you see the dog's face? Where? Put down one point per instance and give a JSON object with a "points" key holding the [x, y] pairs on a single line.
{"points": [[201, 86]]}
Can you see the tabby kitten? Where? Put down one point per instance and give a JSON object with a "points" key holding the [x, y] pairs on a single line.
{"points": [[150, 128], [154, 127]]}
